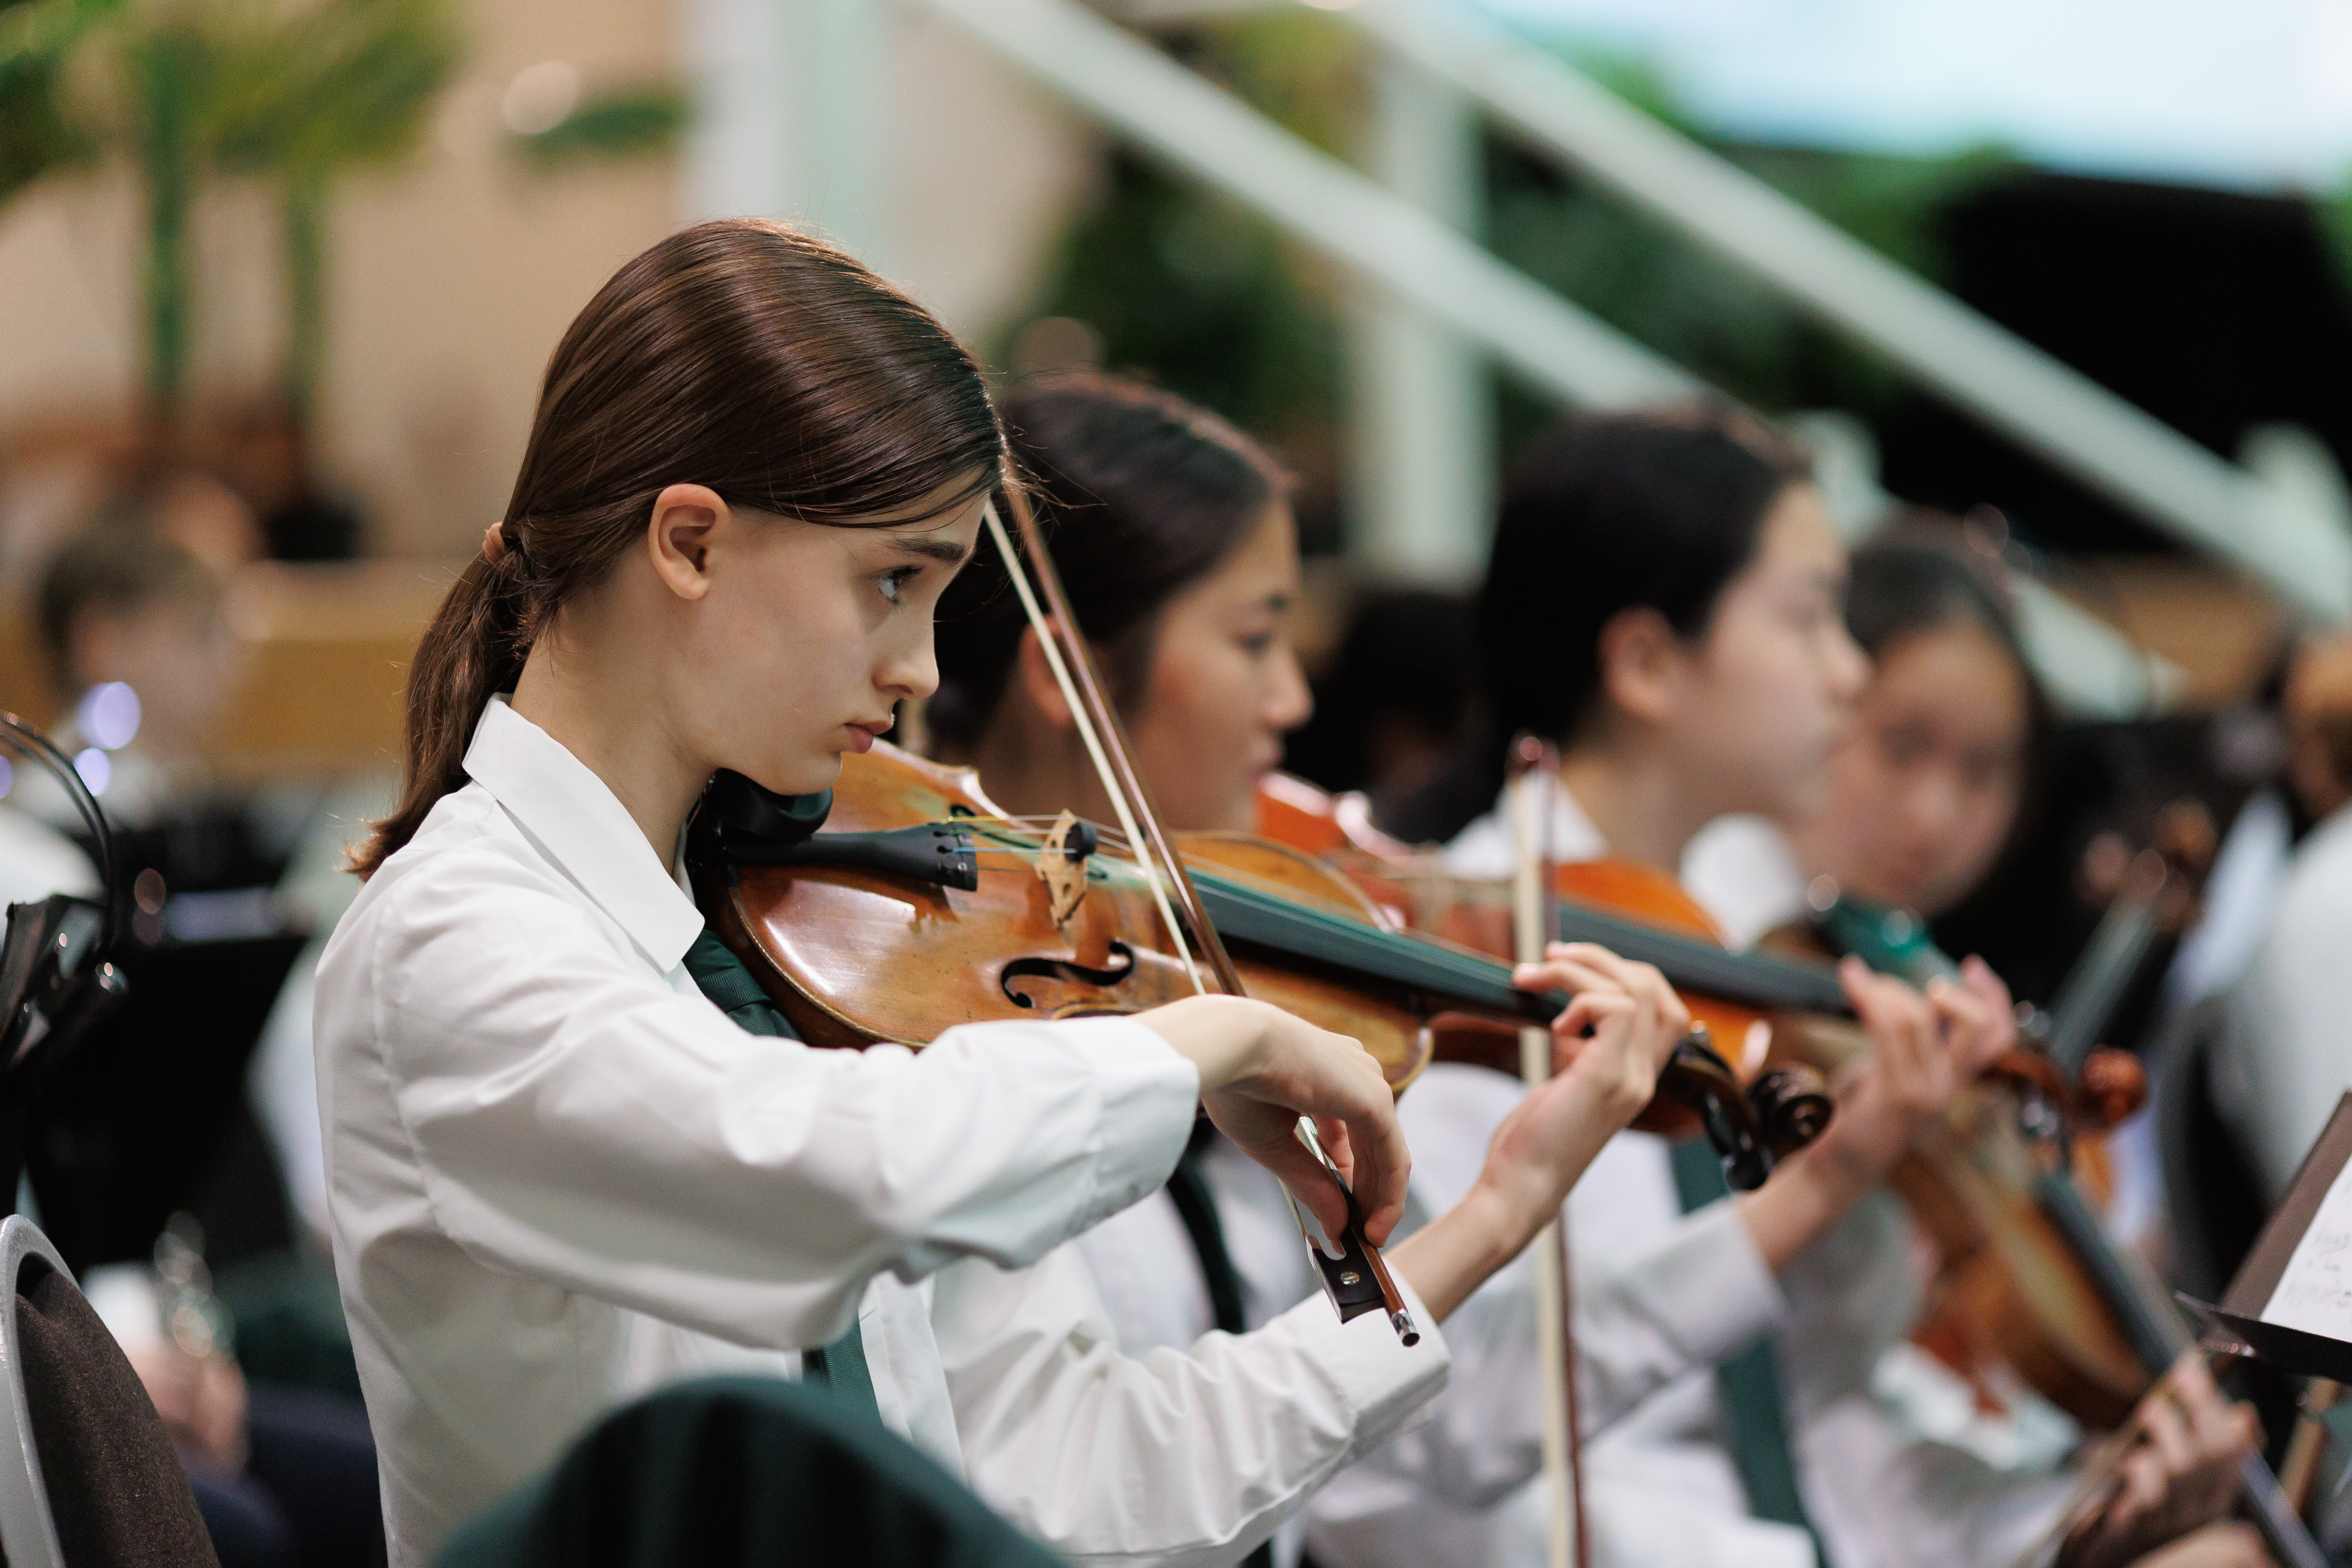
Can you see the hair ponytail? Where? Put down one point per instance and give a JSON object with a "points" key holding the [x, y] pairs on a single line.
{"points": [[471, 651], [739, 355]]}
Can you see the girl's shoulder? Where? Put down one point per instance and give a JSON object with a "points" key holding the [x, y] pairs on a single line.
{"points": [[465, 854]]}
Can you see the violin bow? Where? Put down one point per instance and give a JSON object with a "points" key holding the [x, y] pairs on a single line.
{"points": [[1356, 1278], [1535, 774]]}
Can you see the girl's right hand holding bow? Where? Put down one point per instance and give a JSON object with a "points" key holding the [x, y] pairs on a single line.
{"points": [[1262, 1069]]}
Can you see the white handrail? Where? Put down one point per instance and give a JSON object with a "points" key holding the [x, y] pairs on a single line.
{"points": [[1213, 136], [1199, 128], [1986, 370]]}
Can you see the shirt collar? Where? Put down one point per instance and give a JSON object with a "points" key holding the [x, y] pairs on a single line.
{"points": [[583, 826], [1489, 847]]}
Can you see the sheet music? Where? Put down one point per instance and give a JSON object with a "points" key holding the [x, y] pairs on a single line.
{"points": [[2315, 1294]]}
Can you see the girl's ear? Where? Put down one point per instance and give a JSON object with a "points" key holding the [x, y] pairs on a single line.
{"points": [[687, 519], [1037, 683], [1641, 664]]}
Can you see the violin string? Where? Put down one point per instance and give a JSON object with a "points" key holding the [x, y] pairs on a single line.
{"points": [[1018, 574]]}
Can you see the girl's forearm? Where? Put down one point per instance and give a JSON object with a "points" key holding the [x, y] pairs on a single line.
{"points": [[1808, 1193], [1515, 1197], [1459, 1250]]}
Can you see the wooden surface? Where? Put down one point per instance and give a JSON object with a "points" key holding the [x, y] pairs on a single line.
{"points": [[325, 651]]}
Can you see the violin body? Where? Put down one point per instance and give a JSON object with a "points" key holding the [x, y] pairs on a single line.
{"points": [[856, 955]]}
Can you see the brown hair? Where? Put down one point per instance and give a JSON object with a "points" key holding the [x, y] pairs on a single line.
{"points": [[738, 355]]}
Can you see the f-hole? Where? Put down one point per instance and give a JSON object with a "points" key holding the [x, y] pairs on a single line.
{"points": [[1122, 965]]}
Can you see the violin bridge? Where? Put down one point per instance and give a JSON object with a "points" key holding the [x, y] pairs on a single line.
{"points": [[1062, 866]]}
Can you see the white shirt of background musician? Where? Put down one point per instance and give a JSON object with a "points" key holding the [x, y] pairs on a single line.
{"points": [[2284, 1059], [562, 1177], [1661, 1298]]}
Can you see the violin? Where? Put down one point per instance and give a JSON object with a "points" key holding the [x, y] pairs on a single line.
{"points": [[2026, 1263], [2024, 1155], [1735, 999], [904, 903], [1970, 1181]]}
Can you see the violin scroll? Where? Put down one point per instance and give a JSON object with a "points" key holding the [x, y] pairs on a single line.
{"points": [[1703, 1083], [2113, 1084], [1792, 1106]]}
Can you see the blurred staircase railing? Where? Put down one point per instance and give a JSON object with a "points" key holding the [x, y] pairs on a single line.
{"points": [[2135, 460], [1195, 126]]}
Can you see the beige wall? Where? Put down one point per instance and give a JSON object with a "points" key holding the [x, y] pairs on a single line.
{"points": [[452, 276]]}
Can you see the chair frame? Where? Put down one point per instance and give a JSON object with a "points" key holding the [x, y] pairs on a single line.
{"points": [[28, 1533]]}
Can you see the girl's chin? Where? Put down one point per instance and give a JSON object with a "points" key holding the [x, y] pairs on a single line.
{"points": [[811, 775]]}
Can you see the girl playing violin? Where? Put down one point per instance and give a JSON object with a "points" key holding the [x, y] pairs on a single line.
{"points": [[1921, 791], [1663, 601], [1173, 538], [560, 1175], [1920, 797]]}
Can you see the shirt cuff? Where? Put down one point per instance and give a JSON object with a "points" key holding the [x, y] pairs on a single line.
{"points": [[1707, 1286], [1386, 1384], [1150, 1092]]}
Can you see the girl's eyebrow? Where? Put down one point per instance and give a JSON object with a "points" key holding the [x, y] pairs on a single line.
{"points": [[945, 550]]}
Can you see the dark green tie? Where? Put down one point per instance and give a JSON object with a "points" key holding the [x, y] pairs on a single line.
{"points": [[1196, 1205], [731, 989], [1749, 1383]]}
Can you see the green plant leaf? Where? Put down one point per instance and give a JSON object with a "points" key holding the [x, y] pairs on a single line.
{"points": [[39, 130], [333, 87], [621, 124]]}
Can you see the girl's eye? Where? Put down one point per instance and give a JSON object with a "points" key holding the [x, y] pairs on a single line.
{"points": [[1257, 644], [890, 582]]}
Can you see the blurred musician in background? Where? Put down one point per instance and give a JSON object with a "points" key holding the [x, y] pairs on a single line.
{"points": [[1665, 600], [2283, 1061], [1172, 534], [140, 664], [1923, 789]]}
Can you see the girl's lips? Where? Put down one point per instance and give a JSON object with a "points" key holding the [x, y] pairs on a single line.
{"points": [[860, 741]]}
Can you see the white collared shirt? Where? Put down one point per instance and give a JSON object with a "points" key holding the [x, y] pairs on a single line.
{"points": [[1330, 1394], [560, 1177], [1661, 1298]]}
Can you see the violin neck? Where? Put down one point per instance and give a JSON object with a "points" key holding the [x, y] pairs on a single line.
{"points": [[1747, 979], [1451, 978], [2094, 987], [2158, 1336]]}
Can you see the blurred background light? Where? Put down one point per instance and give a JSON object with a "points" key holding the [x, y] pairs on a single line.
{"points": [[539, 97], [96, 771], [108, 715]]}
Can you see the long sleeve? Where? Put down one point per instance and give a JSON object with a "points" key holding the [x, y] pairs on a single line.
{"points": [[1656, 1295], [580, 1123], [1698, 1298], [558, 1176], [1071, 1439]]}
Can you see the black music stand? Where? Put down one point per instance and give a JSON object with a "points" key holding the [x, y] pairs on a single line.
{"points": [[125, 1132], [2290, 1304]]}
